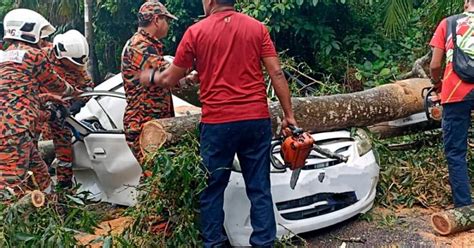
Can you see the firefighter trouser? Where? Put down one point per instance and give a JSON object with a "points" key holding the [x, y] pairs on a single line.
{"points": [[62, 138], [21, 166]]}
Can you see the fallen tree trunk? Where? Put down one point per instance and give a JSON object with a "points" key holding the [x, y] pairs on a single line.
{"points": [[318, 114], [454, 220], [327, 113], [384, 130]]}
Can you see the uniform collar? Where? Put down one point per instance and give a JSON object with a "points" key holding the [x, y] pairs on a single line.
{"points": [[149, 36]]}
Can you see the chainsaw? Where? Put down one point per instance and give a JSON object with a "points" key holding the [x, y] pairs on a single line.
{"points": [[432, 102], [295, 150]]}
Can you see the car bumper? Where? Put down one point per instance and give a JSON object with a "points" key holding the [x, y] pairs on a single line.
{"points": [[359, 177]]}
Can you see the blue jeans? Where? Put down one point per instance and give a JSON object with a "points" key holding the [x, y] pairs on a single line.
{"points": [[250, 140], [456, 122]]}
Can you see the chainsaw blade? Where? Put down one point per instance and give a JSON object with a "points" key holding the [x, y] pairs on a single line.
{"points": [[294, 178]]}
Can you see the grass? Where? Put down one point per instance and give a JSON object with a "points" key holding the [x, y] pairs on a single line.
{"points": [[415, 177]]}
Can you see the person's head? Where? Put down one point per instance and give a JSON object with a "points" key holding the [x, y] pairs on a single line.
{"points": [[71, 48], [468, 4], [154, 17], [209, 5], [26, 25]]}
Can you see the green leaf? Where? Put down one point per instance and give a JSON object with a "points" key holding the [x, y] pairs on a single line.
{"points": [[24, 237], [299, 2], [384, 72], [75, 200]]}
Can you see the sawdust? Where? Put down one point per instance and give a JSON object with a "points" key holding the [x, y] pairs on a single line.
{"points": [[112, 227], [464, 239]]}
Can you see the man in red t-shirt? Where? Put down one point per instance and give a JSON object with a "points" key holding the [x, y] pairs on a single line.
{"points": [[227, 49], [457, 98]]}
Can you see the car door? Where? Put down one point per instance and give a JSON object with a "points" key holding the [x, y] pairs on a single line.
{"points": [[103, 162]]}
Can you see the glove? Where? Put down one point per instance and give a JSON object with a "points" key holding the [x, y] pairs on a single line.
{"points": [[58, 113], [65, 184], [76, 107]]}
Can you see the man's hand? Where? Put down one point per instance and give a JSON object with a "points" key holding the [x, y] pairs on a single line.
{"points": [[285, 123], [76, 107], [437, 87], [58, 112], [49, 97], [191, 79]]}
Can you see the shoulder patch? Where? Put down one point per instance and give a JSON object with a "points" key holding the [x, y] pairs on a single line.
{"points": [[15, 56]]}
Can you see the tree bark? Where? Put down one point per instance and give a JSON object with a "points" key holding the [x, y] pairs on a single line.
{"points": [[454, 220], [318, 114], [92, 66], [327, 113]]}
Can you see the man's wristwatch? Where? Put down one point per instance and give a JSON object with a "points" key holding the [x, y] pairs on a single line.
{"points": [[152, 76]]}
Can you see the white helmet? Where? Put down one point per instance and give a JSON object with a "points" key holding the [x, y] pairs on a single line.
{"points": [[73, 46], [26, 25]]}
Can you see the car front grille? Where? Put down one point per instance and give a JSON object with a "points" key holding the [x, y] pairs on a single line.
{"points": [[315, 205]]}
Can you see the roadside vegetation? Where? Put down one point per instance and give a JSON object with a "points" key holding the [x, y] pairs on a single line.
{"points": [[328, 47]]}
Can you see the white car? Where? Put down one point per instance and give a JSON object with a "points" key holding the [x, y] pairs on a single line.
{"points": [[327, 192]]}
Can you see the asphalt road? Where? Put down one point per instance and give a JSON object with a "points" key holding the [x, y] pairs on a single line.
{"points": [[385, 228]]}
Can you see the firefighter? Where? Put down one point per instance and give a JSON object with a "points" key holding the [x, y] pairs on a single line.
{"points": [[144, 51], [24, 68], [68, 55]]}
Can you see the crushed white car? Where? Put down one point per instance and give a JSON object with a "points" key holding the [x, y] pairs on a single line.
{"points": [[327, 192]]}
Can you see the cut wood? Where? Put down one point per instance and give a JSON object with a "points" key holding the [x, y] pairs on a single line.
{"points": [[114, 227], [454, 220], [327, 113], [33, 198]]}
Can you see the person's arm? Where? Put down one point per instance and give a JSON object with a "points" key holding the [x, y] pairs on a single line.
{"points": [[172, 76], [51, 81], [280, 85], [436, 66], [439, 47], [169, 78]]}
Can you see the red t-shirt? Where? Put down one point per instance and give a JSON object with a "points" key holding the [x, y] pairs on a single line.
{"points": [[453, 88], [227, 49]]}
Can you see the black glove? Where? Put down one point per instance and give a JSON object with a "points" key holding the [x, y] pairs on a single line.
{"points": [[65, 184], [58, 112], [76, 107]]}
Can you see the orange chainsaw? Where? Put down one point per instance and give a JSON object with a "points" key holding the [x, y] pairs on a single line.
{"points": [[432, 104], [295, 150]]}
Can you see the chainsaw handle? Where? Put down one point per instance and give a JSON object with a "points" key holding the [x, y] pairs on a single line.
{"points": [[429, 91], [274, 161], [295, 131]]}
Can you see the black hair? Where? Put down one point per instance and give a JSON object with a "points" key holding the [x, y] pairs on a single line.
{"points": [[225, 2], [142, 22]]}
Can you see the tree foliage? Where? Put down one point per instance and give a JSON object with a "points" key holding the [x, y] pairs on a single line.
{"points": [[343, 39]]}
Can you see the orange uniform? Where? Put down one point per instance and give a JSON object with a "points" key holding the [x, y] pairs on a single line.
{"points": [[24, 69], [77, 77], [141, 52]]}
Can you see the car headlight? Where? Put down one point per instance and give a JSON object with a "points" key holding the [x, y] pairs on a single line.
{"points": [[236, 167], [363, 141]]}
